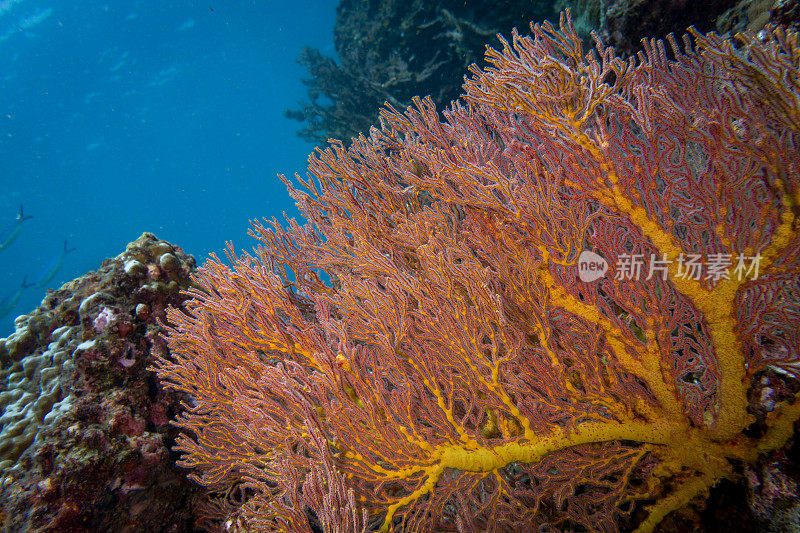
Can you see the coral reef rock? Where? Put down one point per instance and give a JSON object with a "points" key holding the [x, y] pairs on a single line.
{"points": [[84, 429], [391, 51]]}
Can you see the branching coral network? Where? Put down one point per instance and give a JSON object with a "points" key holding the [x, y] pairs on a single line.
{"points": [[545, 309]]}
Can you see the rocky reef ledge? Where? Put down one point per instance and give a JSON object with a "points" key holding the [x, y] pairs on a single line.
{"points": [[85, 439]]}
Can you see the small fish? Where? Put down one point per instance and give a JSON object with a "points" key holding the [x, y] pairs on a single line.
{"points": [[9, 301], [10, 233], [52, 268]]}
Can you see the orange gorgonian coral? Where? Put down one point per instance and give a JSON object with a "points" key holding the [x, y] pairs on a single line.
{"points": [[439, 348]]}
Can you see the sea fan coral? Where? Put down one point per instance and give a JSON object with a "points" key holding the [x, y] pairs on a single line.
{"points": [[543, 311]]}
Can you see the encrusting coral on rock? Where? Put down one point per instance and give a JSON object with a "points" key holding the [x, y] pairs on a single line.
{"points": [[84, 432]]}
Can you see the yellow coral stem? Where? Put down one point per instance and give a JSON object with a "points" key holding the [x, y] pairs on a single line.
{"points": [[488, 459]]}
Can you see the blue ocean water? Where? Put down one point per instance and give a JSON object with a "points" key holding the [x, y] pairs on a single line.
{"points": [[123, 117]]}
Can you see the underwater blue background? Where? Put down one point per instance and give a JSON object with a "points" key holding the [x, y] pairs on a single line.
{"points": [[124, 117]]}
